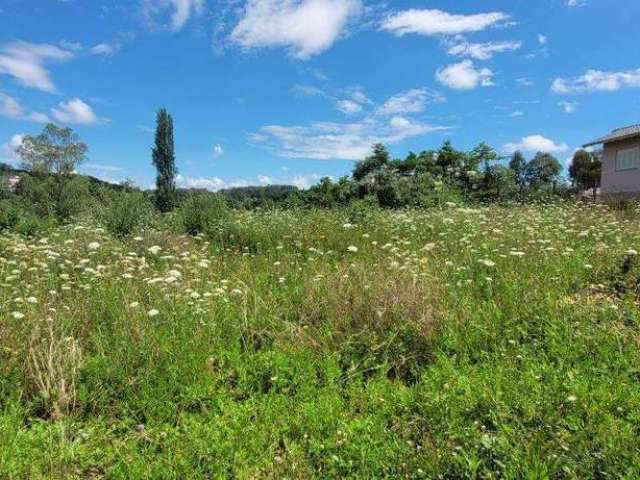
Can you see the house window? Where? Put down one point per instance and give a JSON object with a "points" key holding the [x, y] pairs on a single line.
{"points": [[628, 159]]}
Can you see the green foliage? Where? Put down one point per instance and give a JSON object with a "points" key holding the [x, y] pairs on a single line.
{"points": [[378, 159], [56, 150], [518, 164], [165, 162], [126, 212], [201, 213], [543, 169], [585, 170], [9, 215], [474, 342]]}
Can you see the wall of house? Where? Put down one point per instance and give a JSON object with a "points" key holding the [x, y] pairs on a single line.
{"points": [[625, 181]]}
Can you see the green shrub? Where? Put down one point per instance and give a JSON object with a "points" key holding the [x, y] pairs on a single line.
{"points": [[9, 216], [126, 212], [200, 213]]}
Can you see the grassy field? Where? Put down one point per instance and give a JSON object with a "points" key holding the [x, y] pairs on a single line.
{"points": [[499, 342]]}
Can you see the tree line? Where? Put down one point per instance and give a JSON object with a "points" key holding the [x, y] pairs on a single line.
{"points": [[50, 188]]}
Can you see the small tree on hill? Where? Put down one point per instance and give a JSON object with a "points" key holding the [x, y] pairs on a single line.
{"points": [[56, 151], [165, 162]]}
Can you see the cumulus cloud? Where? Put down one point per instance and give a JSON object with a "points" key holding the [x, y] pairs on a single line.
{"points": [[576, 3], [348, 107], [305, 27], [410, 101], [105, 49], [208, 183], [75, 111], [339, 141], [464, 76], [305, 181], [181, 11], [438, 22], [535, 143], [542, 39], [9, 149], [26, 61], [482, 51], [10, 107], [597, 80]]}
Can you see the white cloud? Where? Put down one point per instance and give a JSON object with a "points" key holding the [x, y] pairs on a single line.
{"points": [[576, 3], [106, 49], [542, 39], [597, 80], [209, 183], [536, 143], [26, 61], [182, 11], [464, 76], [264, 180], [516, 113], [305, 181], [410, 101], [348, 107], [218, 151], [482, 51], [438, 22], [10, 107], [344, 141], [9, 149], [75, 111], [306, 27], [568, 107]]}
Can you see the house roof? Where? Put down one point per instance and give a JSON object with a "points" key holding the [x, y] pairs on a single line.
{"points": [[616, 135]]}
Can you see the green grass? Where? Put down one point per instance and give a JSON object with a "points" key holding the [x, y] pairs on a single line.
{"points": [[498, 342]]}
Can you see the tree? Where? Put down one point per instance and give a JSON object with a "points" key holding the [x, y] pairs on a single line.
{"points": [[518, 164], [543, 169], [371, 164], [585, 170], [165, 162], [56, 151]]}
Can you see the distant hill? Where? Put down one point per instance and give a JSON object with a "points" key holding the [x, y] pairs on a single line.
{"points": [[6, 169]]}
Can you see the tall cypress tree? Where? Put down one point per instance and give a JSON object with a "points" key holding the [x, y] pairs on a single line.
{"points": [[164, 160]]}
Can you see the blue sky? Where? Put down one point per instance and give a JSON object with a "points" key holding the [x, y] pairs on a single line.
{"points": [[288, 91]]}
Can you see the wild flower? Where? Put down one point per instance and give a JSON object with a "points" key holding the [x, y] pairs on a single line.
{"points": [[17, 315], [32, 300], [487, 263], [153, 312], [155, 249], [352, 249], [93, 246]]}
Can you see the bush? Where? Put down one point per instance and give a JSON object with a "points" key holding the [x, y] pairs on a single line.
{"points": [[9, 216], [126, 212], [32, 226], [200, 213]]}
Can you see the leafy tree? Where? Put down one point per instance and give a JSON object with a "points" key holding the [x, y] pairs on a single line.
{"points": [[499, 179], [371, 164], [585, 170], [484, 155], [56, 151], [518, 164], [543, 169], [164, 160]]}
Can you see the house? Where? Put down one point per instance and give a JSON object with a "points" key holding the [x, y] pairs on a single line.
{"points": [[620, 162]]}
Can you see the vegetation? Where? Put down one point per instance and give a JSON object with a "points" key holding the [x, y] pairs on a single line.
{"points": [[446, 315], [164, 160]]}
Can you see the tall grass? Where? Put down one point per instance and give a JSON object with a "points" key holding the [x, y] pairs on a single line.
{"points": [[497, 342]]}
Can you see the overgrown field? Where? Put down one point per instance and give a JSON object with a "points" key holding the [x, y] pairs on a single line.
{"points": [[498, 342]]}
